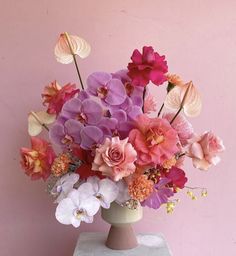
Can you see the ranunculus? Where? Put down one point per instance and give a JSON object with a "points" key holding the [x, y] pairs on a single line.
{"points": [[204, 151], [54, 96], [148, 66], [37, 161], [115, 158], [154, 140]]}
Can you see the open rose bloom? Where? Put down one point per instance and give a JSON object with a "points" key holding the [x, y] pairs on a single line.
{"points": [[114, 140]]}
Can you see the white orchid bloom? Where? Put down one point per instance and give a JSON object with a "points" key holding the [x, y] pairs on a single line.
{"points": [[64, 185], [80, 205], [123, 194], [105, 190]]}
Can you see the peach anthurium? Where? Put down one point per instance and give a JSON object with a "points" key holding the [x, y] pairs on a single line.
{"points": [[186, 97], [38, 120], [70, 45]]}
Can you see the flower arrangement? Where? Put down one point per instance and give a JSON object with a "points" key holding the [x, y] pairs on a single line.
{"points": [[112, 143]]}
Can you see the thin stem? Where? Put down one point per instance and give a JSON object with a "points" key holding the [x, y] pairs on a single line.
{"points": [[144, 94], [159, 112], [38, 120], [77, 69], [74, 58], [194, 188], [173, 119]]}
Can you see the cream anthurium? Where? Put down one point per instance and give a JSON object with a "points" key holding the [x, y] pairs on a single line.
{"points": [[39, 120], [79, 206], [64, 185], [70, 45], [105, 190]]}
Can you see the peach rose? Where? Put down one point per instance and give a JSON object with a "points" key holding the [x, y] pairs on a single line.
{"points": [[37, 161], [204, 151], [115, 158]]}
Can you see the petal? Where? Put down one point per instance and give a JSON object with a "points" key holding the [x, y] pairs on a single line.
{"points": [[196, 151], [116, 93], [64, 211], [73, 129], [92, 110], [201, 164], [37, 119], [75, 222], [91, 205], [78, 46], [85, 190], [71, 108], [57, 133], [109, 190], [90, 136], [94, 181], [96, 80]]}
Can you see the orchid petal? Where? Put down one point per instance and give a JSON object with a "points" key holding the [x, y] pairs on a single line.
{"points": [[64, 211]]}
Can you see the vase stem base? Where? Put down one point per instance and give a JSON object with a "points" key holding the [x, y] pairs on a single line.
{"points": [[121, 237]]}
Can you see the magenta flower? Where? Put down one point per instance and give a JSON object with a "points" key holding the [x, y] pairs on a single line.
{"points": [[87, 111], [159, 196], [146, 67], [110, 90]]}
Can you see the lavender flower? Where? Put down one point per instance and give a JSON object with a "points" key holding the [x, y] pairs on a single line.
{"points": [[86, 112], [110, 90], [160, 195]]}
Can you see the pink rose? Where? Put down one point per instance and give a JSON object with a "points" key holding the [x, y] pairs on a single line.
{"points": [[115, 158], [204, 151]]}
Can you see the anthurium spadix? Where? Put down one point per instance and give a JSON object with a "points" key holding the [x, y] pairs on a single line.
{"points": [[70, 45], [39, 120], [184, 97]]}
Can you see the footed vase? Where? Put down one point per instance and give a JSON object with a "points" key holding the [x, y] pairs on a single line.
{"points": [[121, 235]]}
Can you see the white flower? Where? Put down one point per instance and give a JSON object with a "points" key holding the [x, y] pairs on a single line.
{"points": [[64, 185], [123, 194], [105, 190], [80, 205]]}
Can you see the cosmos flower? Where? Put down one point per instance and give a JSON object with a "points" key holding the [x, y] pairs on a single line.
{"points": [[160, 194]]}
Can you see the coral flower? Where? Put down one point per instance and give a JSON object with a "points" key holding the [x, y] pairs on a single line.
{"points": [[148, 66], [140, 188], [61, 164], [154, 140], [115, 158], [54, 96], [37, 161]]}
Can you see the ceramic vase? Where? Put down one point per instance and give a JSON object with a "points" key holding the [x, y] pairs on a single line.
{"points": [[121, 234]]}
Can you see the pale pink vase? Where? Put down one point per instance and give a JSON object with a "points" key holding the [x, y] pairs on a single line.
{"points": [[121, 235]]}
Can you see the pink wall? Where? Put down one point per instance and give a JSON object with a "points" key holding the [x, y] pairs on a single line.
{"points": [[199, 40]]}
